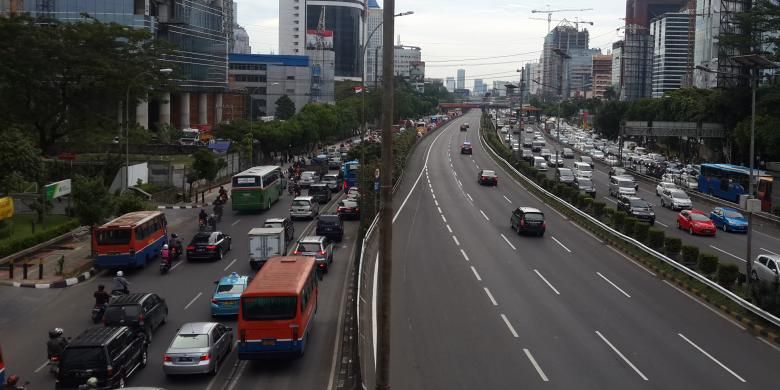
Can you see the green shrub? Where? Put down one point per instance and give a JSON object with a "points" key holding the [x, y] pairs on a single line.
{"points": [[690, 254], [727, 275], [598, 208], [641, 230], [6, 228], [587, 203], [708, 263], [617, 219], [540, 176], [655, 238], [13, 246], [628, 226], [672, 246]]}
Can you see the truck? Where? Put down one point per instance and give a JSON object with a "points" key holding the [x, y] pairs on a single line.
{"points": [[265, 243], [189, 136]]}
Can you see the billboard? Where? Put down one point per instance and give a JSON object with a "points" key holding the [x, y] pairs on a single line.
{"points": [[319, 39]]}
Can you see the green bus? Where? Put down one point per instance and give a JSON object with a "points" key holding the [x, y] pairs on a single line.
{"points": [[257, 188]]}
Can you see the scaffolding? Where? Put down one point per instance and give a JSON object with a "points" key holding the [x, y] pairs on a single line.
{"points": [[637, 64], [730, 73]]}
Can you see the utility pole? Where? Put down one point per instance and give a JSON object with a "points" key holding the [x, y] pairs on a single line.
{"points": [[386, 207]]}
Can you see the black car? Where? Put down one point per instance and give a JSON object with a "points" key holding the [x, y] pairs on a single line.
{"points": [[330, 226], [321, 192], [637, 208], [465, 148], [208, 246], [142, 312], [110, 354], [528, 220], [348, 209], [487, 177]]}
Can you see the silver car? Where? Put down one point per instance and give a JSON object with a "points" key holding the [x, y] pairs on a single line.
{"points": [[675, 199], [198, 348], [766, 268], [304, 207], [308, 178]]}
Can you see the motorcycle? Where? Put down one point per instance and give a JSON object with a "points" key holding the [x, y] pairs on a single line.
{"points": [[218, 212], [97, 313], [54, 356], [165, 265]]}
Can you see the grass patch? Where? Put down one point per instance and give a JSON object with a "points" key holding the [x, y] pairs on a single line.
{"points": [[21, 225]]}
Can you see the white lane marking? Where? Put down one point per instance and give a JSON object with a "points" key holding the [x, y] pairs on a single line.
{"points": [[230, 264], [193, 301], [559, 243], [548, 283], [587, 232], [465, 256], [436, 202], [631, 260], [456, 240], [719, 314], [439, 208], [507, 199], [712, 358], [508, 325], [476, 273], [621, 355], [484, 215], [425, 167], [613, 284], [662, 224], [490, 296], [728, 253], [443, 219], [460, 184], [775, 347], [178, 263], [433, 195], [234, 223], [507, 241], [536, 365], [767, 250], [469, 196], [46, 363], [448, 227], [609, 200]]}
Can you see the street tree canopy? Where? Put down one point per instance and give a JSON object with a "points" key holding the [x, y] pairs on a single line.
{"points": [[285, 108], [20, 160]]}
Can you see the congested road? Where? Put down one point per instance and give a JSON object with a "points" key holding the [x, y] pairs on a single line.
{"points": [[28, 314], [477, 306], [728, 246]]}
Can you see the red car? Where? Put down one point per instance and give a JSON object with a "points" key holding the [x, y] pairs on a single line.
{"points": [[695, 222], [486, 177]]}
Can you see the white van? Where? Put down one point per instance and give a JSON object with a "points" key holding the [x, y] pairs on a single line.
{"points": [[582, 169], [540, 163]]}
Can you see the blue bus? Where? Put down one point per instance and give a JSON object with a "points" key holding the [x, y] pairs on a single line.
{"points": [[727, 181], [350, 171]]}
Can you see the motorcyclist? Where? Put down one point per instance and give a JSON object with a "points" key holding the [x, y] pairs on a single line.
{"points": [[211, 222], [203, 216], [12, 383], [101, 296], [176, 244], [56, 343], [120, 283], [165, 253], [223, 193]]}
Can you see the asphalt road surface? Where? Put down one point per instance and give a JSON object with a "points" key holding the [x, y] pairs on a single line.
{"points": [[477, 306], [27, 314]]}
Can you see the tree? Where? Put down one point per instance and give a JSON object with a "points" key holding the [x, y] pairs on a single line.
{"points": [[20, 161], [91, 200], [609, 118], [205, 165], [63, 81], [285, 108], [756, 30], [129, 202], [610, 93]]}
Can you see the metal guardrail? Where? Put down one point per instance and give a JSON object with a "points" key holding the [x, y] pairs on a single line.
{"points": [[738, 300]]}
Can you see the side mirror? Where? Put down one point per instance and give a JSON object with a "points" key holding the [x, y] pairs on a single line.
{"points": [[216, 282]]}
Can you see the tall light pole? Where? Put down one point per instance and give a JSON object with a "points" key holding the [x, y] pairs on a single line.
{"points": [[126, 176]]}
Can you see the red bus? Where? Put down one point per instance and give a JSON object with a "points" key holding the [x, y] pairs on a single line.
{"points": [[277, 309], [131, 240]]}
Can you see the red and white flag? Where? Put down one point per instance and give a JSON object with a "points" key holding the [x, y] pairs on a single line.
{"points": [[358, 88]]}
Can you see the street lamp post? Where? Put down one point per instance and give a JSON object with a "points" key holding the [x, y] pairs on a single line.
{"points": [[126, 176]]}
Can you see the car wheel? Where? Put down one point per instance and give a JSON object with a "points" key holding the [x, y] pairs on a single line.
{"points": [[214, 370], [121, 384], [144, 357], [725, 227], [148, 335], [219, 254], [164, 319], [690, 230], [678, 225]]}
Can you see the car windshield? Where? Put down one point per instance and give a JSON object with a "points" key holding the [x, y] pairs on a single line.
{"points": [[488, 173], [698, 217], [534, 217], [268, 308], [307, 175], [301, 203], [626, 184], [639, 204], [679, 195], [185, 341], [329, 219], [584, 183], [230, 288], [83, 358], [733, 214], [329, 179], [122, 313], [308, 247], [113, 236]]}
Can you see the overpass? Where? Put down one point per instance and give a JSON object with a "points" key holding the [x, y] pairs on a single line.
{"points": [[465, 105]]}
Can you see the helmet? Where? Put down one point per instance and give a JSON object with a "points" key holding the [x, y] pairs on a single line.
{"points": [[12, 380], [56, 332], [173, 235], [92, 382], [165, 246], [120, 273]]}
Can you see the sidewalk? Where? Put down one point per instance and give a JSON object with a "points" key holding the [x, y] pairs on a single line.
{"points": [[76, 265]]}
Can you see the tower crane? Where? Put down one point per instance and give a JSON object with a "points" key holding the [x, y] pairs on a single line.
{"points": [[549, 13], [577, 21]]}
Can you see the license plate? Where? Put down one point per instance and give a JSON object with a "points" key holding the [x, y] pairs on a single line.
{"points": [[229, 303], [200, 250], [185, 359], [269, 342]]}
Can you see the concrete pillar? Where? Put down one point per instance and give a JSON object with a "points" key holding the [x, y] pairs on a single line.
{"points": [[218, 109], [203, 109], [165, 109], [185, 110], [142, 114]]}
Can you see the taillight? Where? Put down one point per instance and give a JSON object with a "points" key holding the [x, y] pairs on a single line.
{"points": [[340, 209], [190, 248], [544, 225], [55, 358], [205, 357], [296, 252], [483, 178], [322, 265], [322, 253], [211, 247], [140, 319], [109, 371], [522, 222], [214, 301], [294, 328], [167, 358]]}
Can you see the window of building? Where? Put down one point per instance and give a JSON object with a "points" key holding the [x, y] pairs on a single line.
{"points": [[290, 90], [290, 77]]}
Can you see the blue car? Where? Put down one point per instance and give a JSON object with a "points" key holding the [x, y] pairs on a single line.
{"points": [[227, 295], [728, 219]]}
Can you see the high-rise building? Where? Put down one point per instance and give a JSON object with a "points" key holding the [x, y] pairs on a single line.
{"points": [[478, 87], [267, 77], [567, 39], [292, 27], [578, 78], [450, 84], [670, 51], [499, 87], [461, 84], [602, 74], [713, 18], [343, 30], [617, 60], [403, 58], [373, 65], [239, 42], [195, 27]]}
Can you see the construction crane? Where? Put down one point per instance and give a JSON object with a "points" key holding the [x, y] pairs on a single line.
{"points": [[549, 13], [577, 21]]}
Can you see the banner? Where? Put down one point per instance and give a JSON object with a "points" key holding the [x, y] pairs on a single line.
{"points": [[6, 207], [319, 39], [57, 189]]}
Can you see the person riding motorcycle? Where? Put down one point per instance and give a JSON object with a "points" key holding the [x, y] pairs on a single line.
{"points": [[176, 245], [56, 343], [12, 383], [101, 296], [211, 222], [202, 217], [120, 283], [165, 253], [223, 193]]}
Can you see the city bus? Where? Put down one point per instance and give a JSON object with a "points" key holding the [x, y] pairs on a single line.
{"points": [[727, 181], [257, 188], [350, 171], [277, 309], [131, 240], [2, 368]]}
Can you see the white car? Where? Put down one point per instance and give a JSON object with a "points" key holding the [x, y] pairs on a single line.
{"points": [[598, 154], [663, 186], [675, 199], [611, 160]]}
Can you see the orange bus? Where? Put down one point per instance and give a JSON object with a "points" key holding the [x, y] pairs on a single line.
{"points": [[277, 309], [131, 240]]}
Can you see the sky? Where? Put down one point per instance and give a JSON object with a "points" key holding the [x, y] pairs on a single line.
{"points": [[490, 39]]}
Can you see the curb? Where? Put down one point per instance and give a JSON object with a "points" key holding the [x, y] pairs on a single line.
{"points": [[62, 283], [193, 206]]}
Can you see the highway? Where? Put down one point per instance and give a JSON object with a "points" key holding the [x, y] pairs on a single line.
{"points": [[477, 306], [28, 314], [728, 246]]}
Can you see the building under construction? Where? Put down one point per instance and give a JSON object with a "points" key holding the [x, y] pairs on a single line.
{"points": [[713, 18], [555, 76]]}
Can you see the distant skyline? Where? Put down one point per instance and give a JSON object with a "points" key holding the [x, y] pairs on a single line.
{"points": [[490, 40]]}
